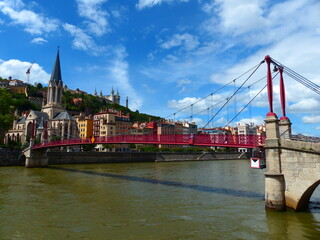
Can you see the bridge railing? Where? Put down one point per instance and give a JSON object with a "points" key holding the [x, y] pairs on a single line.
{"points": [[229, 140], [66, 142], [173, 139]]}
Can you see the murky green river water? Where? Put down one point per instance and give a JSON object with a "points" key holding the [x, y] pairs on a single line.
{"points": [[177, 200]]}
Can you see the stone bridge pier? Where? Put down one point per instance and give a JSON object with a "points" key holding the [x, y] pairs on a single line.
{"points": [[35, 158], [293, 167]]}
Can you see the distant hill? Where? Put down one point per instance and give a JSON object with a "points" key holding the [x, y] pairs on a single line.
{"points": [[90, 104]]}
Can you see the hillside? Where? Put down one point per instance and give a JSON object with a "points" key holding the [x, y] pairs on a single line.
{"points": [[10, 102], [90, 104]]}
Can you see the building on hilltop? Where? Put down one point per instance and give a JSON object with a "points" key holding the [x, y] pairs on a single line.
{"points": [[52, 122], [4, 84], [14, 85], [112, 98]]}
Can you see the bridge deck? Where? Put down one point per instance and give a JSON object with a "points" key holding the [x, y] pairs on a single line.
{"points": [[248, 141]]}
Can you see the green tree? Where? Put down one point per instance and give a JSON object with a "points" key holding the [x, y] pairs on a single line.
{"points": [[88, 147], [92, 104], [55, 138], [108, 146], [15, 145], [5, 101], [132, 146], [148, 149], [6, 117]]}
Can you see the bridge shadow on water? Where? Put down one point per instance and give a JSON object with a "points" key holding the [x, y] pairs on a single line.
{"points": [[196, 187]]}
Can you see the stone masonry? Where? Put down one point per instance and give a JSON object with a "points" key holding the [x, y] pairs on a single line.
{"points": [[293, 168]]}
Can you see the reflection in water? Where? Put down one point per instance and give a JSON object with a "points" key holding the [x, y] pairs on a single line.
{"points": [[185, 200], [232, 192], [293, 225]]}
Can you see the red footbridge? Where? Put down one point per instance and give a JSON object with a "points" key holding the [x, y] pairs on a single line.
{"points": [[236, 141]]}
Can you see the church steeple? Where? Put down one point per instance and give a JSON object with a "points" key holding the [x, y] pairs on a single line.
{"points": [[55, 89], [56, 71]]}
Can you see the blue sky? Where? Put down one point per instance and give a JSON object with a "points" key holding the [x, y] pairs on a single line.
{"points": [[166, 54]]}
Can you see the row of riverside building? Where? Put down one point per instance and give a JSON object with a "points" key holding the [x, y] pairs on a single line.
{"points": [[55, 122], [110, 123]]}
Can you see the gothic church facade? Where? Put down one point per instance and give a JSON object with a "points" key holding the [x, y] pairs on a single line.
{"points": [[52, 122]]}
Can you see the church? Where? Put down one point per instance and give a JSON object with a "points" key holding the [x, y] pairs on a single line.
{"points": [[53, 122], [112, 98]]}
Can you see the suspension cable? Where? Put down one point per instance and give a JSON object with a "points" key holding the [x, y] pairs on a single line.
{"points": [[304, 81], [225, 99], [249, 102], [245, 106], [241, 75], [234, 93]]}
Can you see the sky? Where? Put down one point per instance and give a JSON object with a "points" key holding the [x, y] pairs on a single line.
{"points": [[167, 55]]}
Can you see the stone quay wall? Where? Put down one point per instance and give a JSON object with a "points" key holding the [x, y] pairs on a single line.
{"points": [[9, 157], [57, 158]]}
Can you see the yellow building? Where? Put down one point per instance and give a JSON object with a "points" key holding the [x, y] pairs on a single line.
{"points": [[18, 89], [85, 126]]}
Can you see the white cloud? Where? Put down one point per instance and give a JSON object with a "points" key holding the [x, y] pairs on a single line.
{"points": [[17, 70], [199, 106], [148, 3], [305, 105], [197, 121], [279, 37], [256, 120], [32, 22], [151, 3], [182, 84], [220, 122], [148, 88], [311, 119], [186, 40], [83, 41], [39, 40], [96, 17], [119, 73], [238, 17], [182, 103], [255, 23]]}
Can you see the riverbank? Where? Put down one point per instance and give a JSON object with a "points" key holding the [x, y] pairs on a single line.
{"points": [[11, 158], [57, 158]]}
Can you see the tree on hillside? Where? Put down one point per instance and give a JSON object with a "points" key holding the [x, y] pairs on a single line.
{"points": [[6, 117], [92, 104], [39, 86]]}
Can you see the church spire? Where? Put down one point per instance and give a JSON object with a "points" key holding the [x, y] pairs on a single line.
{"points": [[56, 71]]}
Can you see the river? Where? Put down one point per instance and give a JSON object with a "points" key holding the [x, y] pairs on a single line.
{"points": [[168, 200]]}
